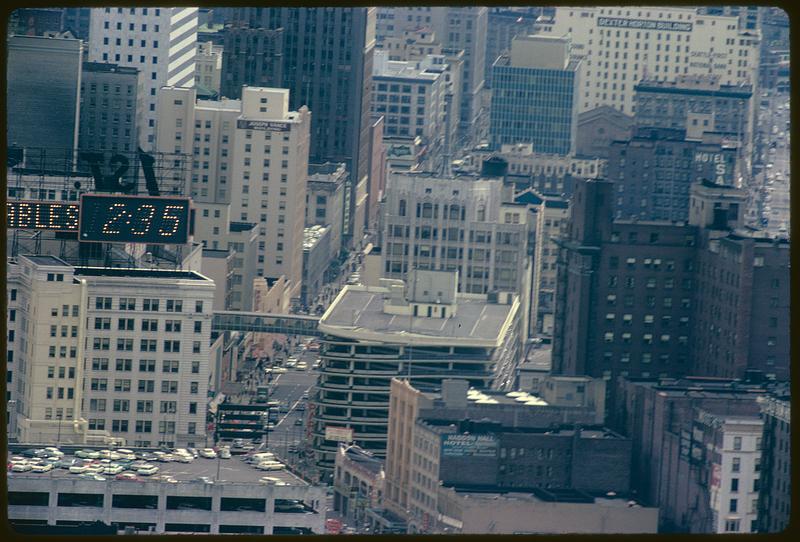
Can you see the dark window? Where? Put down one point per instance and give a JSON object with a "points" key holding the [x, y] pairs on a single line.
{"points": [[231, 504]]}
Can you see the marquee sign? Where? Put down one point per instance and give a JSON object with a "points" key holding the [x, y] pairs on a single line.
{"points": [[42, 215]]}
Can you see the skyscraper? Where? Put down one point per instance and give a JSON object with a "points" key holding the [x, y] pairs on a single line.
{"points": [[534, 99], [161, 42], [327, 66], [44, 80], [109, 98]]}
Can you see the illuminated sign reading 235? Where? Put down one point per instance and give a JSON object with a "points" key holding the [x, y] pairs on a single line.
{"points": [[129, 219]]}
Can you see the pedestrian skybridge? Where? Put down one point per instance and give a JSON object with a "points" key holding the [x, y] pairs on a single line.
{"points": [[286, 324]]}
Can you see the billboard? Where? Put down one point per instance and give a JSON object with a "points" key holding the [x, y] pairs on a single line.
{"points": [[263, 125], [469, 446], [338, 434], [644, 24]]}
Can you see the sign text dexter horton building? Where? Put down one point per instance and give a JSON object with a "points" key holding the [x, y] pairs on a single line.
{"points": [[623, 45]]}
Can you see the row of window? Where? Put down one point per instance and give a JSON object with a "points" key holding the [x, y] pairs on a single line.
{"points": [[151, 305], [145, 345], [145, 365], [70, 393], [127, 324], [141, 426], [144, 386], [123, 405]]}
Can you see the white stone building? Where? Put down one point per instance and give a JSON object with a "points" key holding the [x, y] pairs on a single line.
{"points": [[208, 66], [160, 42], [624, 44]]}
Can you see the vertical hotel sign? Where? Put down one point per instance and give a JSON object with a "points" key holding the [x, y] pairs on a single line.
{"points": [[644, 24]]}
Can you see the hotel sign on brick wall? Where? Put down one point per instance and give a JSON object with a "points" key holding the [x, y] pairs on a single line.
{"points": [[469, 445]]}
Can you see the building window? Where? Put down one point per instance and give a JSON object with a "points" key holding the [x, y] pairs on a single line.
{"points": [[737, 443]]}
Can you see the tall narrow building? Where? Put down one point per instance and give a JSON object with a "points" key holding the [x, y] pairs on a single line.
{"points": [[160, 42], [327, 66]]}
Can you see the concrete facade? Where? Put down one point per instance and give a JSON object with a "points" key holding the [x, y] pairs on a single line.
{"points": [[325, 200], [774, 498]]}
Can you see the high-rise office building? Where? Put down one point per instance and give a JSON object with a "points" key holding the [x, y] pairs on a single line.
{"points": [[741, 320], [624, 44], [458, 28], [534, 99], [654, 169], [252, 57], [250, 166], [411, 97], [76, 21], [327, 66], [503, 26], [624, 292], [160, 42], [43, 98], [110, 96]]}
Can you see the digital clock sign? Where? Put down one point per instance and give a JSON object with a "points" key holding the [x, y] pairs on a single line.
{"points": [[134, 219], [42, 215]]}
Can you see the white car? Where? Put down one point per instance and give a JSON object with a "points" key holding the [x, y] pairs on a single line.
{"points": [[78, 469], [113, 469], [147, 470], [302, 366], [224, 453], [166, 458], [21, 467], [54, 452], [207, 453], [180, 458], [124, 453], [45, 467], [90, 454], [270, 465]]}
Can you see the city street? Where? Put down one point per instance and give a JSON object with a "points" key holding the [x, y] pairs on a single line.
{"points": [[773, 149]]}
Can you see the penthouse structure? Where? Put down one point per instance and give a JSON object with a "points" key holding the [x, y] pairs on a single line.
{"points": [[423, 329]]}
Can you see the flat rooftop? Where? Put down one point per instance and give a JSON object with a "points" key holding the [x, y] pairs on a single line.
{"points": [[439, 426], [363, 308], [538, 494], [230, 470], [137, 273], [46, 260]]}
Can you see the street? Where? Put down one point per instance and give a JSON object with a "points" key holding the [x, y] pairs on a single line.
{"points": [[773, 154]]}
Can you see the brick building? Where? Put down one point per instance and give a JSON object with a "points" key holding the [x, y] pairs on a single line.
{"points": [[655, 168], [624, 292], [774, 499]]}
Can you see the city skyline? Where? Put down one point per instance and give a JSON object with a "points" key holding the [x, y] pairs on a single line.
{"points": [[364, 270]]}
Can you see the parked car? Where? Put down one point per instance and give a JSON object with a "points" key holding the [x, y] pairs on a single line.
{"points": [[184, 458], [271, 465], [86, 453], [66, 463], [78, 469], [113, 469], [208, 453], [298, 421], [127, 477], [148, 470], [225, 453]]}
